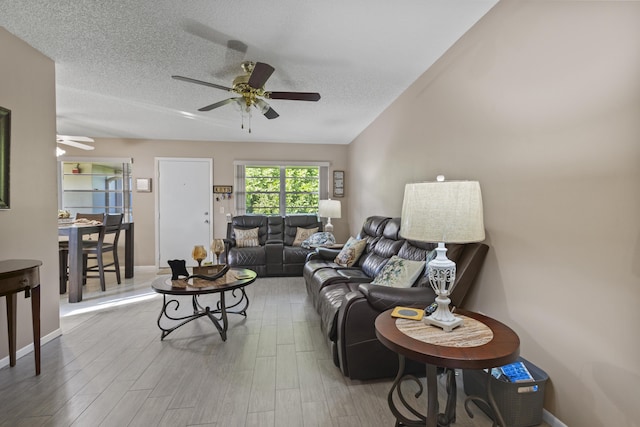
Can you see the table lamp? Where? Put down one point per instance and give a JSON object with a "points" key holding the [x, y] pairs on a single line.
{"points": [[442, 212], [329, 209]]}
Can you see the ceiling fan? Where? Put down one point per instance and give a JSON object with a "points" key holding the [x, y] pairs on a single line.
{"points": [[75, 141], [250, 87]]}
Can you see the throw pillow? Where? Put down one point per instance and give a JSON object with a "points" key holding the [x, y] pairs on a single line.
{"points": [[399, 273], [246, 238], [350, 252], [303, 234], [320, 239]]}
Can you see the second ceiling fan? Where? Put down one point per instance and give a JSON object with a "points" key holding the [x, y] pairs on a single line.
{"points": [[250, 87]]}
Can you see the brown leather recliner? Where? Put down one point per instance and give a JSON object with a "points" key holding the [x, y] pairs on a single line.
{"points": [[348, 304], [360, 354]]}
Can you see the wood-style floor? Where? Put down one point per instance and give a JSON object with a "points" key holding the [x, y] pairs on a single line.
{"points": [[110, 368]]}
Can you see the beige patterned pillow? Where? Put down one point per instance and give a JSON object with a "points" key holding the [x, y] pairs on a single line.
{"points": [[246, 238], [399, 272], [303, 234], [350, 252]]}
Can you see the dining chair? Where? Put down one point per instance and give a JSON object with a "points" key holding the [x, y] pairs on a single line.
{"points": [[63, 249], [107, 243]]}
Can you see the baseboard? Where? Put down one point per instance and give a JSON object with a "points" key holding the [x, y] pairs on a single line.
{"points": [[550, 419], [29, 348]]}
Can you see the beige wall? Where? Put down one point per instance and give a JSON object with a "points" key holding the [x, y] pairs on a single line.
{"points": [[144, 153], [29, 229], [540, 102]]}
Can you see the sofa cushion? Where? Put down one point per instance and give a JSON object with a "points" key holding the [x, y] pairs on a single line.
{"points": [[246, 238], [303, 234], [350, 252], [399, 272]]}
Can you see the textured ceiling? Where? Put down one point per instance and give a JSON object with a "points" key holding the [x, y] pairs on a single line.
{"points": [[114, 61]]}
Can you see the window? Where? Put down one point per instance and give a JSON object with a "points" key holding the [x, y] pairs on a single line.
{"points": [[280, 189]]}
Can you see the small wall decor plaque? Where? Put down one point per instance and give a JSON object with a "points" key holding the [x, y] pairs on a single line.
{"points": [[223, 189]]}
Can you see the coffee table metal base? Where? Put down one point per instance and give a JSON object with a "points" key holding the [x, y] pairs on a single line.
{"points": [[217, 315]]}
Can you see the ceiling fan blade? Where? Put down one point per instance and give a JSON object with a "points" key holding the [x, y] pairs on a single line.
{"points": [[260, 74], [75, 144], [217, 104], [294, 96], [74, 138], [200, 82], [266, 109], [271, 114]]}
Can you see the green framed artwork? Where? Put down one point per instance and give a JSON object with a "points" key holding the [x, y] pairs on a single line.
{"points": [[5, 142]]}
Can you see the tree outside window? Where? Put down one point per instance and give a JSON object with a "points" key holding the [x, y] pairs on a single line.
{"points": [[282, 190]]}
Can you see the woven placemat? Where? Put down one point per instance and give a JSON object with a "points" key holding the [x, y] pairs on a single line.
{"points": [[471, 333]]}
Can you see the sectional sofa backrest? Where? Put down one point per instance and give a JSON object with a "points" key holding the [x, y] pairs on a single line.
{"points": [[292, 222], [382, 248], [269, 227]]}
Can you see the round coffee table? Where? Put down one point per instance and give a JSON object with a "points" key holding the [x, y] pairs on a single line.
{"points": [[234, 281], [481, 342]]}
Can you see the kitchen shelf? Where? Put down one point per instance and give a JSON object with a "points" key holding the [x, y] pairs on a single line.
{"points": [[99, 187]]}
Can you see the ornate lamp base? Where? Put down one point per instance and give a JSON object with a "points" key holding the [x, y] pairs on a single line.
{"points": [[447, 325]]}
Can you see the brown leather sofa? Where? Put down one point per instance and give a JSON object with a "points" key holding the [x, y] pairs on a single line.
{"points": [[348, 304], [275, 255]]}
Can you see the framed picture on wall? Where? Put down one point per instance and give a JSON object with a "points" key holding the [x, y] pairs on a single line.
{"points": [[338, 183], [5, 142]]}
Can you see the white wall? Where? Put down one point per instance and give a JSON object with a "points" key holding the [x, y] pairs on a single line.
{"points": [[29, 229], [540, 102]]}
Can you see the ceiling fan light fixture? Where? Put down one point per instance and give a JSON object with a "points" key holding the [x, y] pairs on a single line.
{"points": [[262, 106]]}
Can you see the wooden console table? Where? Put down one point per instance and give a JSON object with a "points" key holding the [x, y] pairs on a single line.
{"points": [[17, 275]]}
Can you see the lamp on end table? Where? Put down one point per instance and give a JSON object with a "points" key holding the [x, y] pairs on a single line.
{"points": [[329, 209], [442, 212]]}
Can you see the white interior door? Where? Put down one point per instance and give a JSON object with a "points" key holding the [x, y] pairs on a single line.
{"points": [[184, 208]]}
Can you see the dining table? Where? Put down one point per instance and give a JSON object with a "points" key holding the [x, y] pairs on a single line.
{"points": [[75, 233]]}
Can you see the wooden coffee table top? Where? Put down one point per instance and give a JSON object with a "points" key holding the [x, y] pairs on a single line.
{"points": [[235, 278], [481, 342]]}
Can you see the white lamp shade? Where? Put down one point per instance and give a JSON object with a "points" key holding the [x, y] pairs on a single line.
{"points": [[329, 208], [449, 212]]}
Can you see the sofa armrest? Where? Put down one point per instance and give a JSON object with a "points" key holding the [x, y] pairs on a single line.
{"points": [[385, 297], [354, 275], [229, 243], [273, 253], [360, 355], [327, 253]]}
